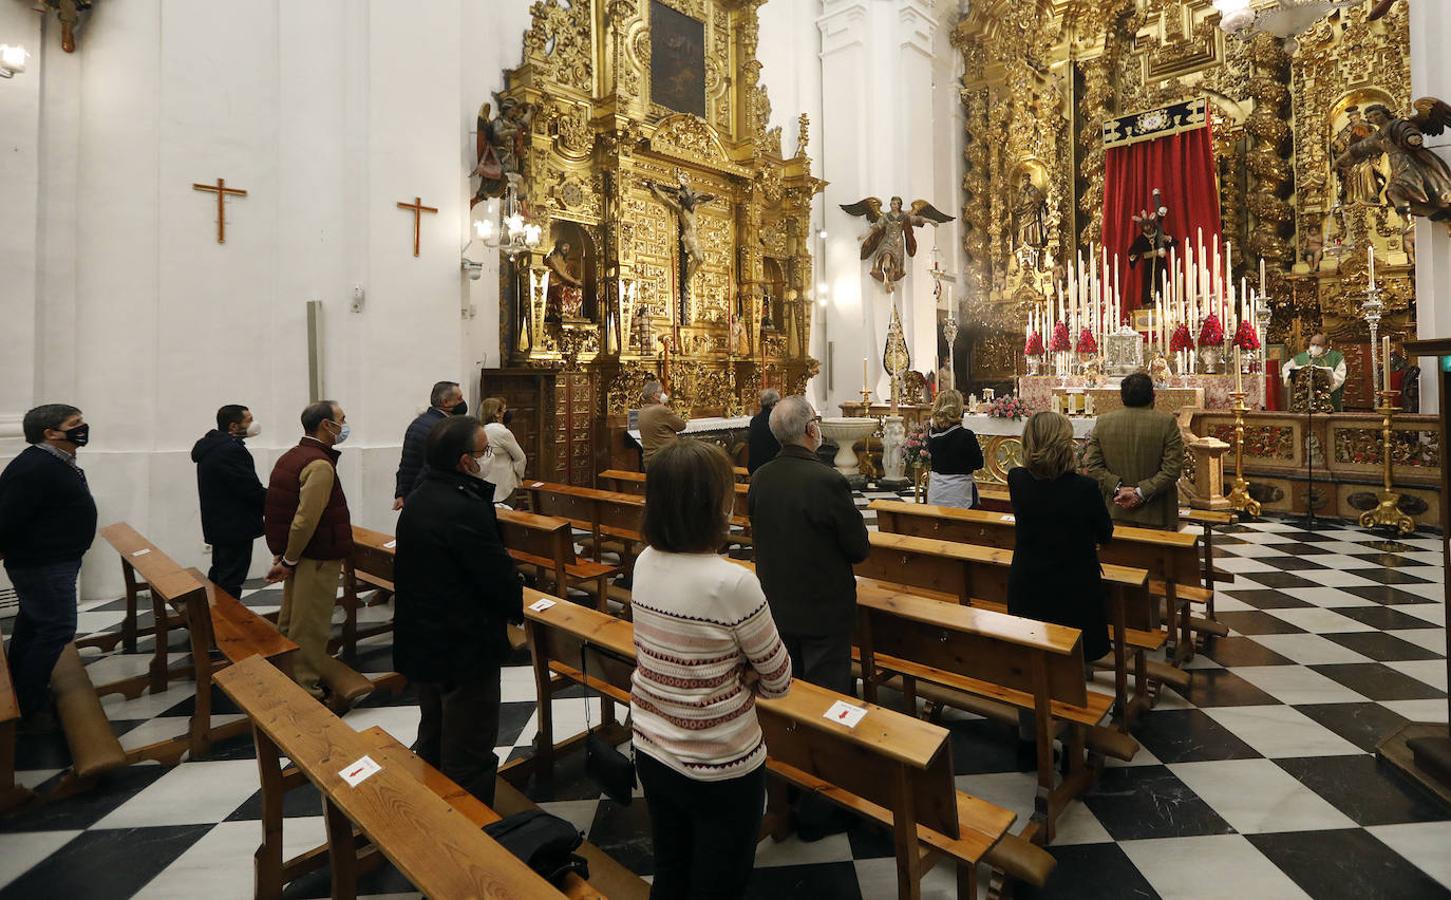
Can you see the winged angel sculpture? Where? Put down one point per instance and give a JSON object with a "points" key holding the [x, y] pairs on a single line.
{"points": [[1420, 182], [891, 239]]}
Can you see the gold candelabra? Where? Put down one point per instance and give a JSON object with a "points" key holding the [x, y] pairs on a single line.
{"points": [[1239, 498], [866, 400], [1388, 512]]}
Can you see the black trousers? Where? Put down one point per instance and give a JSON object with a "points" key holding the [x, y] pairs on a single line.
{"points": [[704, 832], [230, 563], [822, 661], [46, 623], [459, 728]]}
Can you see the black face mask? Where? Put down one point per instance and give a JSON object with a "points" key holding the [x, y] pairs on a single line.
{"points": [[79, 435], [460, 409], [508, 416]]}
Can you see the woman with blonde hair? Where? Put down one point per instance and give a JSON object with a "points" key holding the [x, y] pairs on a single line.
{"points": [[1061, 520], [504, 467], [955, 455]]}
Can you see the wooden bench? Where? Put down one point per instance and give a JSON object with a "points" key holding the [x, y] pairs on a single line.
{"points": [[1171, 558], [1208, 520], [974, 575], [367, 570], [606, 515], [442, 853], [11, 794], [1023, 663], [894, 769], [547, 544], [625, 482]]}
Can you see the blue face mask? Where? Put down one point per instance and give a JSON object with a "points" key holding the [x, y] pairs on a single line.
{"points": [[343, 431]]}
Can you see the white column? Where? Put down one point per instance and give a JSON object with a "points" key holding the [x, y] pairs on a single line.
{"points": [[1430, 73], [20, 99], [917, 145]]}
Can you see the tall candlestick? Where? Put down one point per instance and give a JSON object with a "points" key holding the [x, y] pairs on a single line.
{"points": [[1385, 357], [864, 373], [1262, 276], [1370, 263], [1238, 371]]}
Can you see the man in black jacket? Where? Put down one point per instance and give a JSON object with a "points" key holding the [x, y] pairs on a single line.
{"points": [[47, 522], [808, 533], [446, 399], [231, 495], [763, 444], [457, 589]]}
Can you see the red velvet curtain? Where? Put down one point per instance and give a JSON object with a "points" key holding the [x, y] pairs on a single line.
{"points": [[1182, 167]]}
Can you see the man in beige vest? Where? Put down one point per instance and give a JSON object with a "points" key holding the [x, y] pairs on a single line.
{"points": [[658, 424], [1135, 454]]}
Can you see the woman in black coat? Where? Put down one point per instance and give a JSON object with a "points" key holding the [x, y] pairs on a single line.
{"points": [[955, 455], [1061, 520]]}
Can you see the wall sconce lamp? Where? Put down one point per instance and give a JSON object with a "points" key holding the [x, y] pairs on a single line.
{"points": [[12, 60]]}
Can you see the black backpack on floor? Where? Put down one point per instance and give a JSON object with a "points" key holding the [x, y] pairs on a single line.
{"points": [[544, 842]]}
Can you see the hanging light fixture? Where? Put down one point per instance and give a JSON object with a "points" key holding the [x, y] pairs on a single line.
{"points": [[515, 234]]}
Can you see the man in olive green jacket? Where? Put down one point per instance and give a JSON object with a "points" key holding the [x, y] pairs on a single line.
{"points": [[1136, 454]]}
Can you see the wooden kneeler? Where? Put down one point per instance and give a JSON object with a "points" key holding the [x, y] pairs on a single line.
{"points": [[11, 794]]}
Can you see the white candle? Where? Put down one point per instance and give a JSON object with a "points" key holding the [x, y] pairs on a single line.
{"points": [[1370, 263], [864, 373], [1262, 276]]}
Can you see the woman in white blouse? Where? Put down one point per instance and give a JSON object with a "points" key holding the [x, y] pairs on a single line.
{"points": [[504, 468]]}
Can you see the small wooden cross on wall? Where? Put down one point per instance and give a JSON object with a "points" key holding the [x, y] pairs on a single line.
{"points": [[221, 190], [418, 209]]}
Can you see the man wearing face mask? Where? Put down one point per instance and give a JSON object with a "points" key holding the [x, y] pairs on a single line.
{"points": [[457, 589], [1319, 355], [446, 399], [231, 495], [310, 534], [658, 424], [47, 522]]}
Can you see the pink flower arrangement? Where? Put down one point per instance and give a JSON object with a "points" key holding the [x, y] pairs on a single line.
{"points": [[915, 447], [1245, 337], [1086, 343], [1211, 333], [1009, 406], [1061, 340], [1034, 345], [1181, 339]]}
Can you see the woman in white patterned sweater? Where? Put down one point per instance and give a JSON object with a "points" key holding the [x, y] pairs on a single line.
{"points": [[706, 645]]}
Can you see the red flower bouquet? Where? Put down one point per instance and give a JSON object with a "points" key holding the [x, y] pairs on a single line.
{"points": [[1086, 343], [1034, 346], [1211, 333], [1181, 339], [1245, 338], [1061, 340]]}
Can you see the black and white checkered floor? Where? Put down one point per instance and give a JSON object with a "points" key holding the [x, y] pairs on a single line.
{"points": [[1262, 783]]}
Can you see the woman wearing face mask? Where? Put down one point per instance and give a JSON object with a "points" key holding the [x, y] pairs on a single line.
{"points": [[504, 468]]}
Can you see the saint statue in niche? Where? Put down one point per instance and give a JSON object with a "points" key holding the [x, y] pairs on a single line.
{"points": [[890, 239], [566, 287], [1420, 182], [1029, 213], [1361, 182]]}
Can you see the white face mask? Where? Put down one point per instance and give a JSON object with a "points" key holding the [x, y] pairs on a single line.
{"points": [[820, 439], [664, 397], [1317, 350], [254, 429]]}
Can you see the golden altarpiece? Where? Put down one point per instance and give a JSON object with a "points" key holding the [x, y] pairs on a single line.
{"points": [[1043, 76], [623, 94]]}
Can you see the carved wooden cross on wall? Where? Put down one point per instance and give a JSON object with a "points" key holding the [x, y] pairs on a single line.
{"points": [[221, 190], [418, 209]]}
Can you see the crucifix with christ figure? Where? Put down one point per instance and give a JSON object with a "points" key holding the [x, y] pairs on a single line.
{"points": [[418, 209], [222, 192]]}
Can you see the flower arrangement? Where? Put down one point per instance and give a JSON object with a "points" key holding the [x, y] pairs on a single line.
{"points": [[1061, 340], [914, 449], [1034, 345], [1009, 406], [1211, 333], [1181, 339], [1245, 337], [1086, 343]]}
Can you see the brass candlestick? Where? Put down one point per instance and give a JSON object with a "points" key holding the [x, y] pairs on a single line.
{"points": [[1239, 498], [866, 400], [1388, 512]]}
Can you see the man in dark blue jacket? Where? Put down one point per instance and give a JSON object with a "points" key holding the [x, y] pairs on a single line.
{"points": [[457, 589], [446, 399], [763, 445], [231, 495], [47, 522]]}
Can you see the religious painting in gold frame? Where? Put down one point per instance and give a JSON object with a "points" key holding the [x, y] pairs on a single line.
{"points": [[677, 60]]}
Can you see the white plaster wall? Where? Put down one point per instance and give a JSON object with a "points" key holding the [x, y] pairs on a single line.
{"points": [[1431, 75], [117, 297]]}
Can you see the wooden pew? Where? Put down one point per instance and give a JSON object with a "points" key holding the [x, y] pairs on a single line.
{"points": [[439, 851], [894, 769], [1207, 519], [976, 575], [547, 544], [368, 568], [606, 515], [11, 794], [1030, 665], [1171, 558], [625, 482]]}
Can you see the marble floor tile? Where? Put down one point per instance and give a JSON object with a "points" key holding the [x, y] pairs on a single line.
{"points": [[1190, 735], [1280, 731], [1379, 681], [1426, 845], [1210, 867], [1365, 790], [1418, 710], [106, 863], [1349, 863], [1308, 649], [1432, 639], [222, 860], [190, 794], [27, 848], [1363, 724], [1432, 672], [1320, 621], [1150, 801], [1084, 872], [1255, 795], [1297, 685]]}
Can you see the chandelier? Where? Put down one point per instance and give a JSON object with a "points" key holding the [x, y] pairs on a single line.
{"points": [[1282, 18], [514, 235]]}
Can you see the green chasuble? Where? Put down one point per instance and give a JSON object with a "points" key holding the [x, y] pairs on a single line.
{"points": [[1332, 360]]}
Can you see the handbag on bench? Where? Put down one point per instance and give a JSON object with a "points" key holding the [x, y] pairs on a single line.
{"points": [[612, 770], [543, 842]]}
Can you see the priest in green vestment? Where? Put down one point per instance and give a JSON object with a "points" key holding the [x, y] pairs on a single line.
{"points": [[1322, 357]]}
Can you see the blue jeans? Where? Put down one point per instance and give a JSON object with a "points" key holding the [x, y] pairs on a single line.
{"points": [[47, 622]]}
